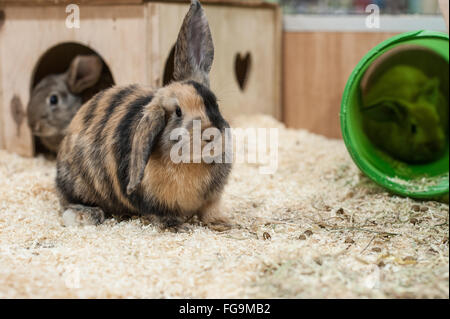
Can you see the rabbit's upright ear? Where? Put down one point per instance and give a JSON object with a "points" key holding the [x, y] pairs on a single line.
{"points": [[194, 50], [145, 136], [84, 72]]}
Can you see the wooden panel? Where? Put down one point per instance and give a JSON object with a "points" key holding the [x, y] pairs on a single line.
{"points": [[237, 3], [241, 3], [315, 71], [154, 58], [234, 30], [66, 2], [116, 33]]}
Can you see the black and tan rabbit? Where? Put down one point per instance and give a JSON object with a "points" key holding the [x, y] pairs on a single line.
{"points": [[57, 97], [115, 159]]}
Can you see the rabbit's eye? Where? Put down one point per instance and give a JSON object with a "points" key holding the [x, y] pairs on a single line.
{"points": [[53, 99], [178, 111], [413, 129]]}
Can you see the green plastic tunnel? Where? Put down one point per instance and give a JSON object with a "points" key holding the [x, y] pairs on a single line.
{"points": [[428, 51]]}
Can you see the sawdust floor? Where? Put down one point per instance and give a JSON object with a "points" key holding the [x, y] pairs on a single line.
{"points": [[315, 229]]}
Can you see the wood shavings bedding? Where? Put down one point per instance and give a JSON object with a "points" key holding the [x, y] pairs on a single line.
{"points": [[317, 228]]}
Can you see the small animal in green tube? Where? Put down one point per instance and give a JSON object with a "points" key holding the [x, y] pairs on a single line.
{"points": [[406, 115]]}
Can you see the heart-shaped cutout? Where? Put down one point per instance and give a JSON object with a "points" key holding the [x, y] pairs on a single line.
{"points": [[242, 67]]}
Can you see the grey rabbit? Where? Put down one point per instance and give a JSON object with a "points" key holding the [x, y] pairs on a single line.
{"points": [[56, 98]]}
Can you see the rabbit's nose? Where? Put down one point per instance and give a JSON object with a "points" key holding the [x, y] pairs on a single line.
{"points": [[434, 146]]}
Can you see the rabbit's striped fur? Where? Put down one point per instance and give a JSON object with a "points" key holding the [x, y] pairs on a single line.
{"points": [[115, 158]]}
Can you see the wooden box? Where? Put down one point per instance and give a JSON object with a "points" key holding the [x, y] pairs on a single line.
{"points": [[135, 39]]}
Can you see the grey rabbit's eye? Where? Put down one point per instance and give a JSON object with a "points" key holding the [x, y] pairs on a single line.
{"points": [[178, 111], [414, 129], [53, 99]]}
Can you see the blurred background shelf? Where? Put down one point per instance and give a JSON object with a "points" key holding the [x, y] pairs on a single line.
{"points": [[357, 23], [358, 6]]}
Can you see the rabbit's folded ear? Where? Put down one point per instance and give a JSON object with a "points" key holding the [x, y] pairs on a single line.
{"points": [[431, 90], [149, 127], [194, 50], [84, 72], [386, 111]]}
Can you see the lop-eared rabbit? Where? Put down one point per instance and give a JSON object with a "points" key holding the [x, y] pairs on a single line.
{"points": [[115, 159]]}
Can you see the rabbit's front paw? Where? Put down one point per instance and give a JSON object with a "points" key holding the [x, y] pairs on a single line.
{"points": [[78, 215], [214, 219]]}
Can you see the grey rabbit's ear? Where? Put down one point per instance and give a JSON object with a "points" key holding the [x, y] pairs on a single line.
{"points": [[386, 111], [149, 127], [84, 72], [194, 50]]}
